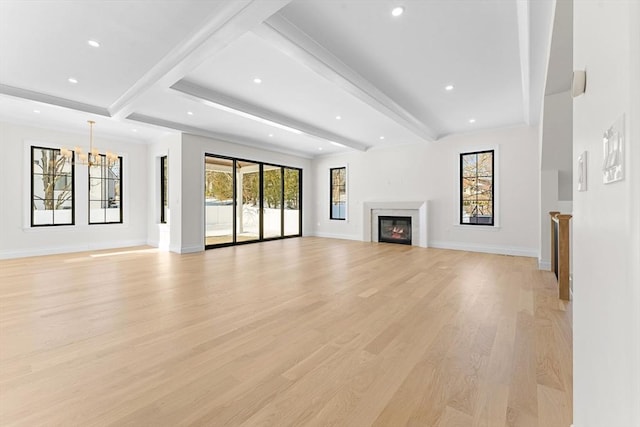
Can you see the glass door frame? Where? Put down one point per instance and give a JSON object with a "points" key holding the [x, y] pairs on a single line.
{"points": [[261, 168]]}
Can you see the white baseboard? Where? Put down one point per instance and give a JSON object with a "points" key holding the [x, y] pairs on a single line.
{"points": [[21, 253], [336, 236], [458, 246], [191, 249], [156, 244], [544, 265], [490, 249], [186, 249]]}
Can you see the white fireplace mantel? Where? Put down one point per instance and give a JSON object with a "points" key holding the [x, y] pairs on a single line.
{"points": [[416, 210]]}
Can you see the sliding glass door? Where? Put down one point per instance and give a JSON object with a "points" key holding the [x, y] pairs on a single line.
{"points": [[292, 217], [272, 201], [218, 201], [247, 201]]}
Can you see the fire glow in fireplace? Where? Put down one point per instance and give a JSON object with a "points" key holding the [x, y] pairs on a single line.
{"points": [[394, 229]]}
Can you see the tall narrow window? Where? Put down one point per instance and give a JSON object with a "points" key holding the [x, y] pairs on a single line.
{"points": [[164, 189], [105, 191], [52, 188], [476, 188], [338, 191]]}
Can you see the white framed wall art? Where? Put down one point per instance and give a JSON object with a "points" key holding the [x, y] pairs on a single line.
{"points": [[613, 152]]}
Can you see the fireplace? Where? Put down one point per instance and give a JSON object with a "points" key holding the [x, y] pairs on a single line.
{"points": [[394, 229], [371, 211]]}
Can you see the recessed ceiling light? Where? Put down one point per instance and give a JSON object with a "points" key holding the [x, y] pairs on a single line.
{"points": [[319, 148], [36, 111], [397, 11], [257, 80], [190, 113], [381, 137], [448, 87], [270, 135], [72, 80], [472, 120], [338, 118], [93, 43], [134, 130]]}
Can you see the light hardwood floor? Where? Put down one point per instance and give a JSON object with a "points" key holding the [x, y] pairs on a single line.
{"points": [[295, 332]]}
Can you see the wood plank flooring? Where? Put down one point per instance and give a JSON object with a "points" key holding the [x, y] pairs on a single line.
{"points": [[296, 332]]}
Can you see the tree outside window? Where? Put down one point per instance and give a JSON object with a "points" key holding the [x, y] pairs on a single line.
{"points": [[105, 191], [52, 188], [476, 188], [164, 189], [338, 193]]}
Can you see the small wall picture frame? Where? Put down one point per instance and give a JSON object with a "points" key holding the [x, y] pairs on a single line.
{"points": [[613, 152], [582, 171]]}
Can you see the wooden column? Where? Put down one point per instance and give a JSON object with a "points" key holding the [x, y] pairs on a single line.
{"points": [[553, 214], [560, 242]]}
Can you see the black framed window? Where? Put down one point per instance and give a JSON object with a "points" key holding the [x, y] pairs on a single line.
{"points": [[477, 188], [105, 191], [338, 193], [164, 189], [52, 188]]}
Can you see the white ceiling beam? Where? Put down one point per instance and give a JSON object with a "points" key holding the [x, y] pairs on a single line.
{"points": [[230, 20], [52, 100], [298, 45], [233, 139], [232, 105], [525, 57]]}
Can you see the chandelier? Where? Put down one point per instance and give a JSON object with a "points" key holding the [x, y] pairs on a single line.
{"points": [[91, 157]]}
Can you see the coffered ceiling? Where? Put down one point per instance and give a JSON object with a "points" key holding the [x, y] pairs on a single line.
{"points": [[305, 77]]}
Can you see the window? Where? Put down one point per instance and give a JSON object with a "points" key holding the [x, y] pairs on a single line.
{"points": [[164, 189], [52, 188], [476, 188], [105, 191], [338, 191]]}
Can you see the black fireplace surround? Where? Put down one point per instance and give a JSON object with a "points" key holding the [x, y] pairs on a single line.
{"points": [[394, 229]]}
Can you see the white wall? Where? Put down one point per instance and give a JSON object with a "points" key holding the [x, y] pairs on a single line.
{"points": [[158, 234], [17, 238], [606, 221], [556, 164], [190, 201], [421, 172], [557, 140]]}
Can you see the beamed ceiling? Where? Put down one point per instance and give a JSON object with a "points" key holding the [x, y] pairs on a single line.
{"points": [[306, 77]]}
